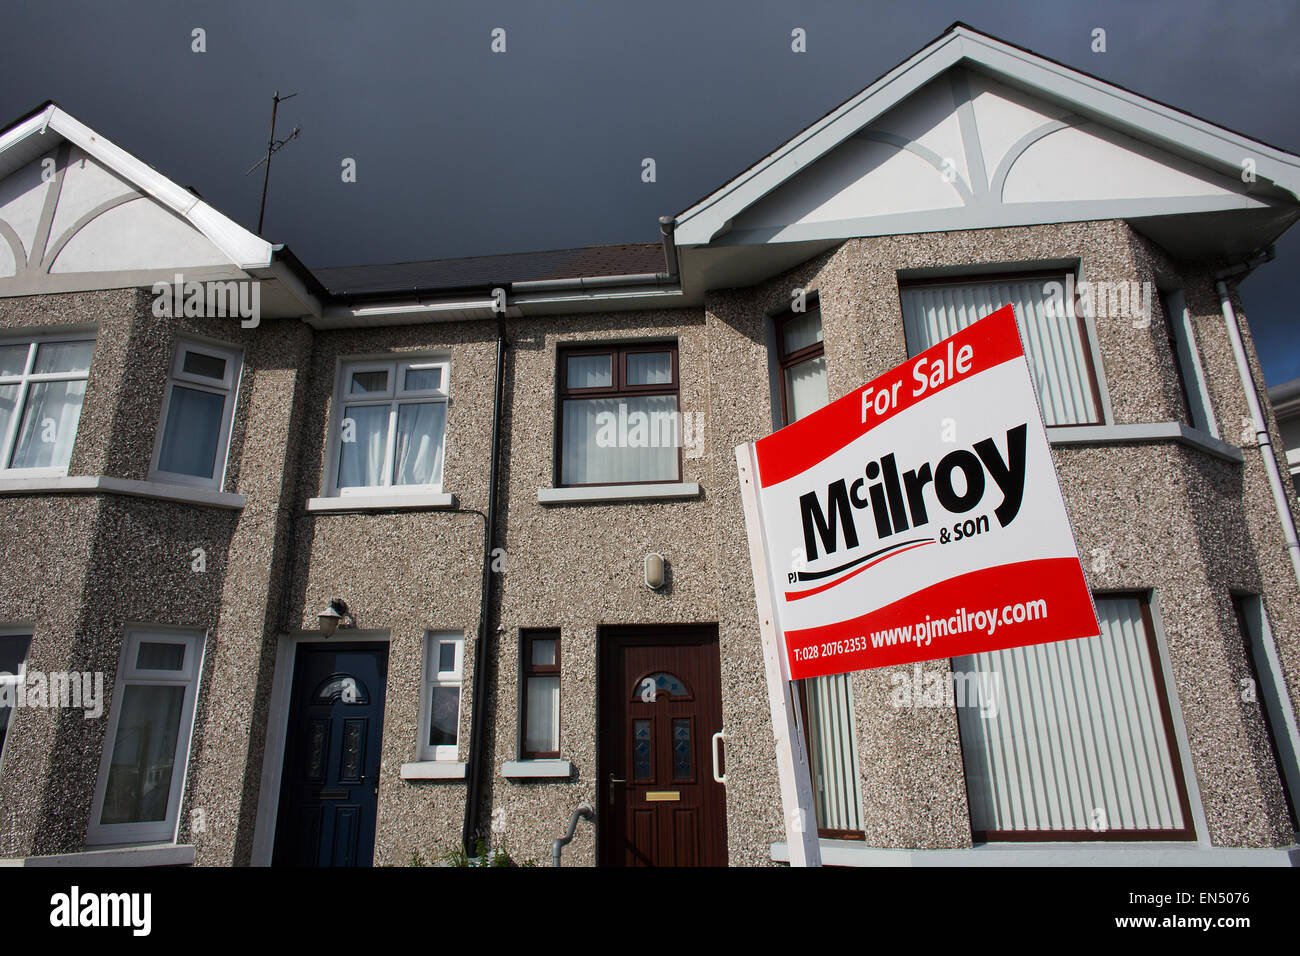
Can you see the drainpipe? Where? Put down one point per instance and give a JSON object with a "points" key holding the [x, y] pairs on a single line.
{"points": [[1286, 725], [667, 226], [478, 716], [1265, 442], [584, 811]]}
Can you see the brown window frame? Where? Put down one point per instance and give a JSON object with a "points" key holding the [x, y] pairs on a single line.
{"points": [[528, 669], [1058, 275], [618, 388], [785, 361], [788, 360], [1188, 832], [825, 833]]}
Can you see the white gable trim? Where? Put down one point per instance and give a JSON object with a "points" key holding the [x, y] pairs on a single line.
{"points": [[244, 249], [1136, 116]]}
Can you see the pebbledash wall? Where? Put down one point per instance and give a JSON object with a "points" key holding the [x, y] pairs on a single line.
{"points": [[1180, 521]]}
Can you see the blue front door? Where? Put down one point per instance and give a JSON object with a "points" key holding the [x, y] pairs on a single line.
{"points": [[329, 788]]}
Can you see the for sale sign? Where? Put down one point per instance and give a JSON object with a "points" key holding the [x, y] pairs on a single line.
{"points": [[920, 517]]}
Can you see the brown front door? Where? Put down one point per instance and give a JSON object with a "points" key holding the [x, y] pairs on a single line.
{"points": [[660, 705]]}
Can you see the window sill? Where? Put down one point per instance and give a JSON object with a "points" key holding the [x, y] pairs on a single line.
{"points": [[433, 770], [103, 484], [615, 493], [537, 769], [149, 854], [1145, 432], [852, 853], [396, 502]]}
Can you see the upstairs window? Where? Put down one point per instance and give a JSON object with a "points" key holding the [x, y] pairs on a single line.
{"points": [[826, 703], [1187, 362], [390, 428], [1056, 345], [619, 421], [802, 361], [196, 415], [42, 386]]}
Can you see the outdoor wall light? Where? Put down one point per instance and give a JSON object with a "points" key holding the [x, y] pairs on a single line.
{"points": [[333, 615], [654, 570]]}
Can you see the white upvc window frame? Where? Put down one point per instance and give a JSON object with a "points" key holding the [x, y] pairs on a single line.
{"points": [[14, 680], [25, 380], [228, 387], [433, 677], [1187, 356], [394, 396], [160, 831]]}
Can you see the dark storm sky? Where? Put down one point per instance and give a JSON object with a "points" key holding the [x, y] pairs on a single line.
{"points": [[460, 151]]}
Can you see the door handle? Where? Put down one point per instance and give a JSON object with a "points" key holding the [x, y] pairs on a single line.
{"points": [[713, 746], [613, 780]]}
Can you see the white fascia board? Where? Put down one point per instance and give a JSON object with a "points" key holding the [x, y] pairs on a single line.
{"points": [[410, 312], [699, 224], [34, 124], [244, 249], [311, 305]]}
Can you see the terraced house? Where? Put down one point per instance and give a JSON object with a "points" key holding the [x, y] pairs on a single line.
{"points": [[388, 557]]}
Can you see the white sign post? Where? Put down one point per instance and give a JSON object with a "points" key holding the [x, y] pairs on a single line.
{"points": [[792, 768]]}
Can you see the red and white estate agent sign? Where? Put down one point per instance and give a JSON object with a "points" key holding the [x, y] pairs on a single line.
{"points": [[920, 517]]}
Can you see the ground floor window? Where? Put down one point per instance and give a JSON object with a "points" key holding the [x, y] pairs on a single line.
{"points": [[137, 798], [13, 652], [541, 694], [1262, 687], [833, 755], [444, 658], [1080, 745]]}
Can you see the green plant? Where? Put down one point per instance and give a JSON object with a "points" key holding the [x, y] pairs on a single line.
{"points": [[484, 855]]}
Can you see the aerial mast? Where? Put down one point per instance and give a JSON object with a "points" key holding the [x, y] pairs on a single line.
{"points": [[272, 146]]}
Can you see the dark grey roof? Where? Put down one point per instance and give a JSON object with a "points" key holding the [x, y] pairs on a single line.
{"points": [[486, 271]]}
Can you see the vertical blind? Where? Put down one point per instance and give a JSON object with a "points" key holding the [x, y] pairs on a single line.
{"points": [[1058, 356], [1077, 741], [832, 732], [620, 440], [805, 387], [542, 720]]}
